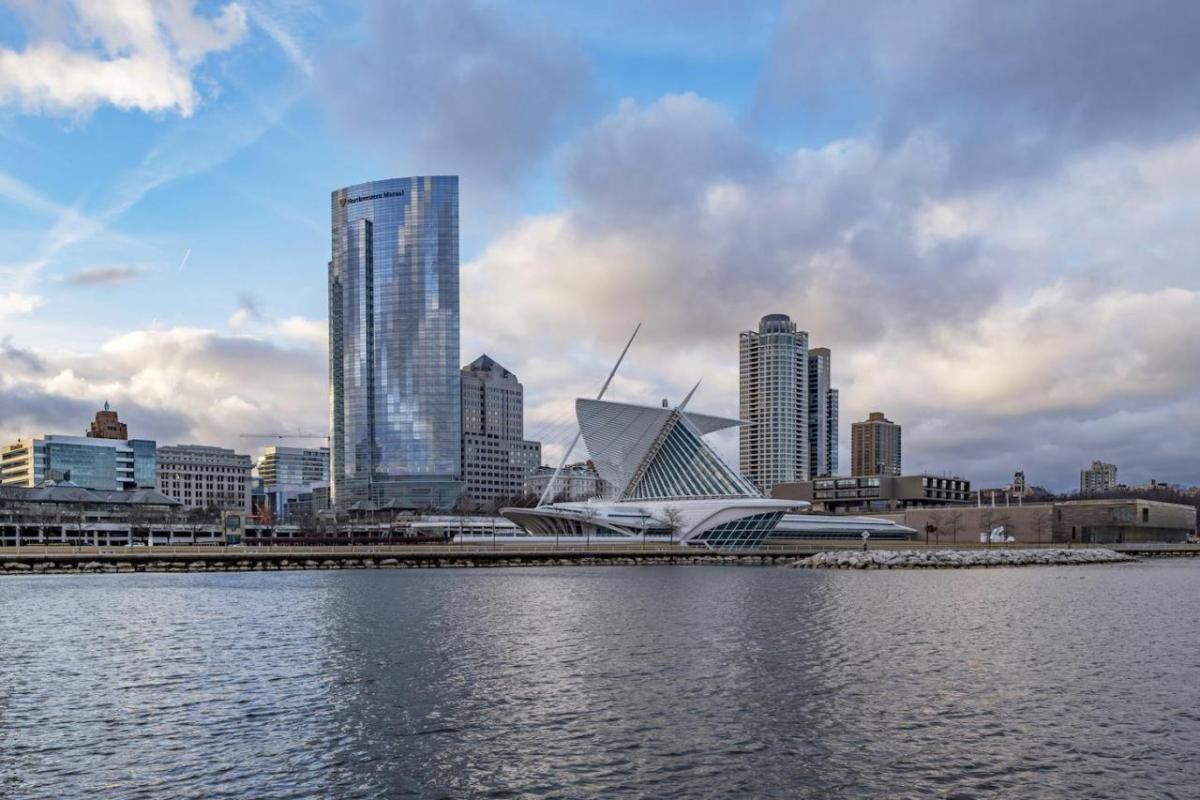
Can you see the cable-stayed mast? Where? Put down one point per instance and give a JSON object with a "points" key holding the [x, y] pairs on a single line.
{"points": [[558, 471]]}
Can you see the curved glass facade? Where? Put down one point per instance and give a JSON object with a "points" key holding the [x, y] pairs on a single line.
{"points": [[393, 343], [746, 533]]}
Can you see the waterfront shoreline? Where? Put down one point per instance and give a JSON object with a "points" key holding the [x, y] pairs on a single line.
{"points": [[960, 559], [44, 565], [51, 561]]}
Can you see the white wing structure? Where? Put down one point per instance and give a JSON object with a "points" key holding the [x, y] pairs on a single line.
{"points": [[618, 436], [667, 483]]}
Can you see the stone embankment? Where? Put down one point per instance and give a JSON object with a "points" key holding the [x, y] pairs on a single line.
{"points": [[222, 562], [957, 559]]}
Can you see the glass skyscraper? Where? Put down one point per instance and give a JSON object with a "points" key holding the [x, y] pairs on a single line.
{"points": [[395, 428]]}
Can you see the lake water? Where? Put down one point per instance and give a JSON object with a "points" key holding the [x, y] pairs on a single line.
{"points": [[600, 682]]}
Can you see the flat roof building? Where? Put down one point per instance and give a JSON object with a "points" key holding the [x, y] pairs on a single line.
{"points": [[63, 513], [575, 483], [877, 492], [88, 462], [200, 476], [298, 468], [1122, 521], [822, 414], [875, 446], [1100, 478]]}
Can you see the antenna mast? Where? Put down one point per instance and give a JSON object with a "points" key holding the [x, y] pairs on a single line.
{"points": [[554, 478]]}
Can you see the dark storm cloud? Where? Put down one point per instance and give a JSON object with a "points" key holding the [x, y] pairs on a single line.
{"points": [[31, 411], [18, 359], [453, 88], [729, 225], [177, 385], [1014, 86], [1051, 448], [645, 164]]}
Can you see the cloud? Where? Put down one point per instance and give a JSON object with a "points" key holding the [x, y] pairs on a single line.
{"points": [[105, 276], [30, 412], [18, 359], [314, 332], [136, 54], [679, 217], [249, 310], [1041, 305], [12, 303], [287, 41], [174, 385], [455, 88], [1015, 87]]}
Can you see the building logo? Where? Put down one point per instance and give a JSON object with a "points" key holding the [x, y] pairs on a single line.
{"points": [[379, 196]]}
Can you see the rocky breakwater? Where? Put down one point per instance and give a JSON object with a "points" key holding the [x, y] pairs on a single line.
{"points": [[218, 561], [957, 559]]}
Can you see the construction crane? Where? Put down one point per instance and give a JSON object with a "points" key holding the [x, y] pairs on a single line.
{"points": [[324, 436]]}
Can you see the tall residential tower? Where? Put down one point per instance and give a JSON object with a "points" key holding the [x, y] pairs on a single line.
{"points": [[789, 405], [822, 414], [1100, 478], [393, 343]]}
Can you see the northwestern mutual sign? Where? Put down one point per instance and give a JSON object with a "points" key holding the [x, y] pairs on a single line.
{"points": [[379, 196]]}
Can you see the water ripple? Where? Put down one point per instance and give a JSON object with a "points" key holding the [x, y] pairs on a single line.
{"points": [[641, 681]]}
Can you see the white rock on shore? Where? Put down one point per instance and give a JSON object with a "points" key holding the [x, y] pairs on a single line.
{"points": [[954, 559]]}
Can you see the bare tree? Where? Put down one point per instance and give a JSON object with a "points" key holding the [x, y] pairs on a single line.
{"points": [[589, 522], [953, 520], [934, 526], [1043, 525], [986, 516], [672, 517]]}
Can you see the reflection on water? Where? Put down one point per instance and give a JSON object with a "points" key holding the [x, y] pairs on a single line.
{"points": [[650, 681]]}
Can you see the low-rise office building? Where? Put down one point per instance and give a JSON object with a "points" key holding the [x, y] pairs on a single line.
{"points": [[576, 483], [877, 492], [90, 462], [63, 513], [1071, 521], [289, 476], [294, 467]]}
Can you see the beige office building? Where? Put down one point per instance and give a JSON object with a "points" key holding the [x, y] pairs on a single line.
{"points": [[199, 476]]}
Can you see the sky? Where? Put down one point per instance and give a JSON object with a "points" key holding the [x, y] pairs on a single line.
{"points": [[988, 211]]}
